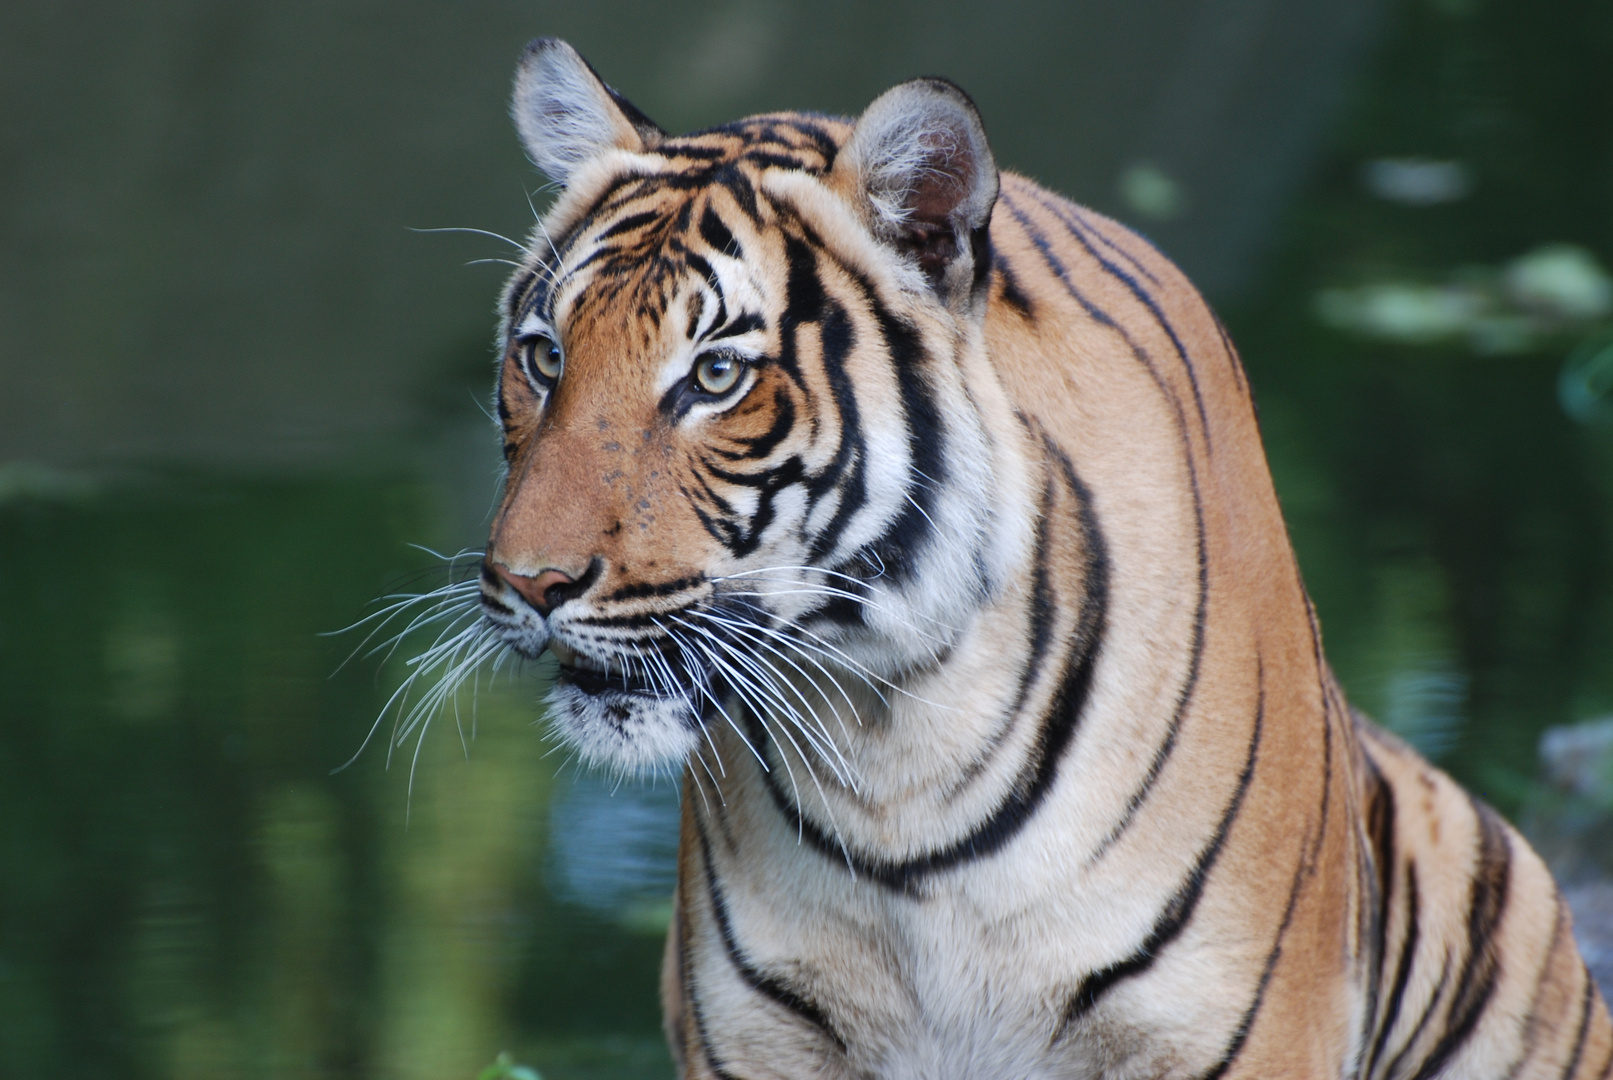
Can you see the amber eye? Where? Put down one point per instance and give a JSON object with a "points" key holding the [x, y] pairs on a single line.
{"points": [[718, 372], [543, 359]]}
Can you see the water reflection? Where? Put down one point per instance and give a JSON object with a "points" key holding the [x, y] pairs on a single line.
{"points": [[455, 926], [201, 897], [1421, 690], [1417, 181], [1553, 294], [1585, 386], [615, 849]]}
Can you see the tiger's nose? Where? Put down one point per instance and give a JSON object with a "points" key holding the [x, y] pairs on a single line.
{"points": [[544, 591]]}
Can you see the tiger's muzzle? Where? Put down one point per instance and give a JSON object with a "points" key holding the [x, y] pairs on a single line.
{"points": [[625, 694]]}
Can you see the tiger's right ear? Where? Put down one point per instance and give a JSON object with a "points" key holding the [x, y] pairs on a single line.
{"points": [[567, 116], [926, 180]]}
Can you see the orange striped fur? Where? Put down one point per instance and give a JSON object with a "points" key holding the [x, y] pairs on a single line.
{"points": [[967, 613]]}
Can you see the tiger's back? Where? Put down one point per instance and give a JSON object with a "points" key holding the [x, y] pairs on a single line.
{"points": [[1013, 750]]}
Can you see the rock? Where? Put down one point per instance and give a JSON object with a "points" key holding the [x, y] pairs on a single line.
{"points": [[1592, 905]]}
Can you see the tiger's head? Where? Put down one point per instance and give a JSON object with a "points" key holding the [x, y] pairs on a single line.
{"points": [[751, 433]]}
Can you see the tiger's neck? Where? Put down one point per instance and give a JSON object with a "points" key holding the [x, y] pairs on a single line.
{"points": [[903, 778]]}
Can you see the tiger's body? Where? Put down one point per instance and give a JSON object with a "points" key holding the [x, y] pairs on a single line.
{"points": [[1012, 750]]}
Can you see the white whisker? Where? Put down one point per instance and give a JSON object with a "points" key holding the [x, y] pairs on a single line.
{"points": [[522, 248], [747, 629], [704, 730], [766, 690], [799, 589], [749, 663], [460, 648]]}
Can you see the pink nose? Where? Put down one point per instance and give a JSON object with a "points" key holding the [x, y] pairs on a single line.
{"points": [[535, 590]]}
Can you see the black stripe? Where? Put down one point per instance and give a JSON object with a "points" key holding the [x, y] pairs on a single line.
{"points": [[742, 323], [1531, 1032], [1044, 611], [1184, 697], [1325, 692], [804, 302], [1012, 294], [722, 505], [1147, 300], [769, 986], [1607, 1067], [517, 293], [1168, 745], [759, 446], [1086, 224], [850, 460], [1408, 951], [1492, 875], [699, 265], [1327, 788], [1095, 313], [665, 588], [739, 539], [1236, 364], [678, 148], [1392, 1071], [1043, 615], [898, 546], [635, 622], [1059, 724], [601, 253], [699, 1015], [721, 529], [769, 159], [676, 1028], [738, 185], [1178, 911], [1380, 815], [628, 224], [692, 1000], [1586, 999], [980, 254], [763, 481], [820, 138], [623, 190], [1240, 1034]]}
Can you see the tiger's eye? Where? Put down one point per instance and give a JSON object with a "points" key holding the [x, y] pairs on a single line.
{"points": [[717, 373], [543, 359]]}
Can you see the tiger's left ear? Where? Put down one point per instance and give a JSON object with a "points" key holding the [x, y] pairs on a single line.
{"points": [[919, 164], [566, 114]]}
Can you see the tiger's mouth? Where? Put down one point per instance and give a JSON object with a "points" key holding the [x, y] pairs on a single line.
{"points": [[635, 711], [597, 678]]}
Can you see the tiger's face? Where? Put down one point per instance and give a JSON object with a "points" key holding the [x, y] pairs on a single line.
{"points": [[740, 450]]}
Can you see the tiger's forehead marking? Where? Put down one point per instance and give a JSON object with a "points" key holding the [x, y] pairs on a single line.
{"points": [[671, 246], [676, 276], [714, 301], [633, 213]]}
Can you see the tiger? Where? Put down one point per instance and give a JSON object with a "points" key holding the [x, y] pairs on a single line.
{"points": [[918, 520]]}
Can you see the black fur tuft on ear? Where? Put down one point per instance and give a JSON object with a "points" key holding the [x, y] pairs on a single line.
{"points": [[920, 160], [567, 116]]}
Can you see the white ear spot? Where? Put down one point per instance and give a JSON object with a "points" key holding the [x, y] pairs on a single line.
{"points": [[567, 116], [920, 161]]}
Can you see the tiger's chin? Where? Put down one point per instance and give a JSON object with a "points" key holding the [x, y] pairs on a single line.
{"points": [[621, 725]]}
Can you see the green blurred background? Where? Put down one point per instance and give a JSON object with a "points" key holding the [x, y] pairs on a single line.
{"points": [[235, 387]]}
